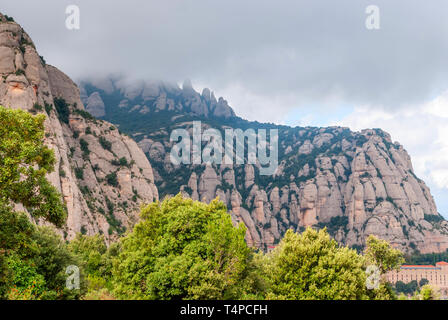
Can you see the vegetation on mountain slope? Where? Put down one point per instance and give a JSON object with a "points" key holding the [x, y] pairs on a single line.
{"points": [[32, 259], [180, 249]]}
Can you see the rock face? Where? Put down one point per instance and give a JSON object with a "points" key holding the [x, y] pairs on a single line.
{"points": [[102, 174], [353, 183]]}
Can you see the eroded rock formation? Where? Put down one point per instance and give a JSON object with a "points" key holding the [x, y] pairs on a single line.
{"points": [[102, 174]]}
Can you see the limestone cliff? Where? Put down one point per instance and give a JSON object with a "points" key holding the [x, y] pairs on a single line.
{"points": [[102, 174], [353, 183]]}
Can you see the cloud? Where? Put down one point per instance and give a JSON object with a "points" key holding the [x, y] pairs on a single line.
{"points": [[311, 51]]}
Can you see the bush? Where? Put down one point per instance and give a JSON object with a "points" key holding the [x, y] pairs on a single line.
{"points": [[9, 19], [63, 109], [434, 218], [86, 115], [313, 266], [84, 146], [122, 162], [48, 108], [112, 179], [107, 145], [79, 173], [37, 107]]}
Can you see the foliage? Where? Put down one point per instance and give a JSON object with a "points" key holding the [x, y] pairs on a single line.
{"points": [[84, 146], [427, 258], [62, 108], [33, 260], [335, 224], [51, 259], [111, 179], [183, 249], [429, 293], [96, 261], [433, 218], [24, 162], [86, 115], [8, 18], [79, 173], [107, 145], [406, 288], [379, 252], [313, 266]]}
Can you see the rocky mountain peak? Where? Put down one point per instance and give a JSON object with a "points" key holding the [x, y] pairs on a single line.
{"points": [[149, 97]]}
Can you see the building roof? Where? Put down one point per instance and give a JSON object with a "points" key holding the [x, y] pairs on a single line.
{"points": [[423, 266], [417, 266]]}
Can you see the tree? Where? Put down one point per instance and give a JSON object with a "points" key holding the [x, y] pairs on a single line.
{"points": [[422, 282], [24, 163], [91, 251], [31, 258], [15, 232], [313, 266], [428, 293], [379, 253], [35, 268], [96, 262], [406, 288], [183, 249], [51, 258]]}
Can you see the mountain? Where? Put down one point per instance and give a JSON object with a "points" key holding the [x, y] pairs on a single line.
{"points": [[102, 174], [353, 183]]}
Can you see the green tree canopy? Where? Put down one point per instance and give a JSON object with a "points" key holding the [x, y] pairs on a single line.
{"points": [[313, 266], [24, 163], [183, 249]]}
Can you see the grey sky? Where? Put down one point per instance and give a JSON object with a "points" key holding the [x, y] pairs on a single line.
{"points": [[316, 51]]}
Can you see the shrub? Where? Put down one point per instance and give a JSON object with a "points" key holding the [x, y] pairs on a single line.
{"points": [[112, 179], [48, 107], [63, 109], [107, 145], [79, 173], [84, 146], [86, 115]]}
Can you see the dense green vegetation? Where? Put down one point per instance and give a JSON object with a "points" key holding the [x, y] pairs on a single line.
{"points": [[62, 108], [31, 258], [184, 249]]}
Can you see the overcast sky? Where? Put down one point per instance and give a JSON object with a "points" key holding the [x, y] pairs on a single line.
{"points": [[294, 62]]}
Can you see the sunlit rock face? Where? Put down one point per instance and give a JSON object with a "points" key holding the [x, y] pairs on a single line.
{"points": [[103, 175]]}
